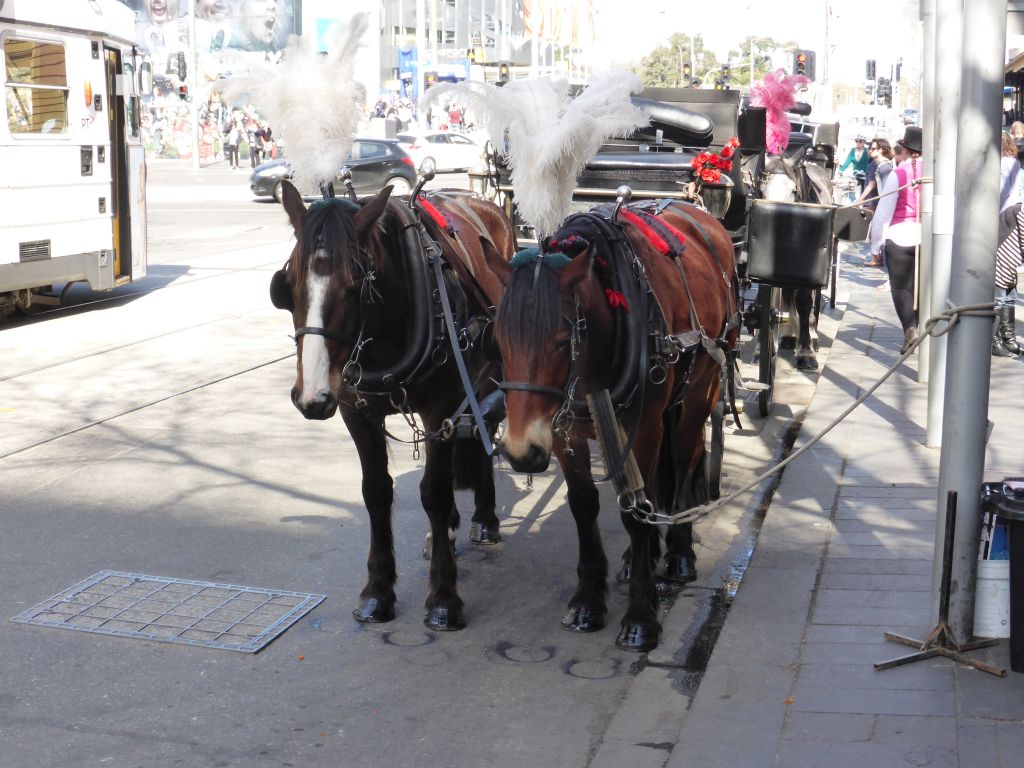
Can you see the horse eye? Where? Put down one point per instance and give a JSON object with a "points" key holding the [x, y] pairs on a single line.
{"points": [[562, 343]]}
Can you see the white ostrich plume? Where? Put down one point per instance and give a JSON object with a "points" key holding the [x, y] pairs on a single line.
{"points": [[311, 101], [550, 136]]}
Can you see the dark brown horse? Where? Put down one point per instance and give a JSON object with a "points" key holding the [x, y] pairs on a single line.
{"points": [[364, 285], [560, 330]]}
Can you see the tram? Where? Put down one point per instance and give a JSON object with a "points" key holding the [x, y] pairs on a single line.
{"points": [[73, 194]]}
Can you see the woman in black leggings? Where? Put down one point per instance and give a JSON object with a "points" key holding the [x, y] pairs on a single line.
{"points": [[898, 221]]}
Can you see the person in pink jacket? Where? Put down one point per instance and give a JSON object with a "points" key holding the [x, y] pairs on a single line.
{"points": [[897, 223]]}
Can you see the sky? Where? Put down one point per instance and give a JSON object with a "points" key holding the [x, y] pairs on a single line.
{"points": [[854, 37]]}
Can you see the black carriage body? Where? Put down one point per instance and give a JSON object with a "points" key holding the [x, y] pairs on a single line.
{"points": [[790, 244]]}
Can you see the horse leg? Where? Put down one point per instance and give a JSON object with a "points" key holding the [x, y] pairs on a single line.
{"points": [[791, 330], [587, 606], [377, 600], [806, 360], [473, 468], [640, 626], [443, 604]]}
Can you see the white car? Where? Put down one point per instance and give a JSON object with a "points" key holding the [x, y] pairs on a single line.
{"points": [[451, 151]]}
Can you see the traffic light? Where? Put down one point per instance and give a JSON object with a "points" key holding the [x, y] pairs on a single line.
{"points": [[687, 74], [503, 72], [182, 69], [726, 72], [429, 79], [803, 63], [870, 69], [471, 54], [183, 92]]}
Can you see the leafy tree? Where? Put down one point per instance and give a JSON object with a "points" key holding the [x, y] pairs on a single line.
{"points": [[664, 65], [764, 49]]}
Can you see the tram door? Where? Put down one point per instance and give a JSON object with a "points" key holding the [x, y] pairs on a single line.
{"points": [[118, 160]]}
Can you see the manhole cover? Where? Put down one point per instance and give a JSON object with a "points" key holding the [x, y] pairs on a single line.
{"points": [[173, 610]]}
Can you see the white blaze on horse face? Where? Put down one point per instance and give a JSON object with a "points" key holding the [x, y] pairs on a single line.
{"points": [[520, 437], [779, 188], [316, 364]]}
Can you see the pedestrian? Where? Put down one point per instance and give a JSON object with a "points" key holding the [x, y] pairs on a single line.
{"points": [[234, 138], [878, 171], [857, 157], [898, 225], [253, 134], [1009, 173], [1008, 260]]}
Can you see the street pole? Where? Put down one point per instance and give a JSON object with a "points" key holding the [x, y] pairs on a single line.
{"points": [[193, 105], [924, 278], [972, 281], [949, 15]]}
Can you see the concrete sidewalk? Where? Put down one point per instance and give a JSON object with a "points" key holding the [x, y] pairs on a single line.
{"points": [[845, 554]]}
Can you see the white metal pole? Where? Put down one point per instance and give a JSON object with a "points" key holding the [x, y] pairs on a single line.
{"points": [[949, 16], [193, 104], [924, 279], [972, 281]]}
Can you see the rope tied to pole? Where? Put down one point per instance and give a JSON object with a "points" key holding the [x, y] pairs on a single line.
{"points": [[951, 317]]}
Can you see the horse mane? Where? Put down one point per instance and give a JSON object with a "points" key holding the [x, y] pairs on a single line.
{"points": [[329, 231], [530, 309]]}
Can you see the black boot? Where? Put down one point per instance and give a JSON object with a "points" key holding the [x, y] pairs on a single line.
{"points": [[1004, 340]]}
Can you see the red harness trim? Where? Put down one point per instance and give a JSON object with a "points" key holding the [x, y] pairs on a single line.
{"points": [[438, 218], [653, 237]]}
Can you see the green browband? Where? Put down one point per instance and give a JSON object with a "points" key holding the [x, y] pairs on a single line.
{"points": [[529, 255]]}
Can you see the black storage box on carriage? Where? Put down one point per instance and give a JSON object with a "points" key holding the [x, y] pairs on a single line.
{"points": [[789, 244]]}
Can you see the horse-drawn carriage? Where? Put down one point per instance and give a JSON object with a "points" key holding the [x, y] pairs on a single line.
{"points": [[617, 326]]}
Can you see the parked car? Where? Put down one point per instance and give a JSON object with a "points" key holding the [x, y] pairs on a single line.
{"points": [[451, 151], [375, 163]]}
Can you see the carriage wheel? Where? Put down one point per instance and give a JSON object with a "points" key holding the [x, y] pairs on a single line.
{"points": [[714, 461], [768, 344]]}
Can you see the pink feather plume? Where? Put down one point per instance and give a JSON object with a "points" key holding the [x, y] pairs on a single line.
{"points": [[777, 94]]}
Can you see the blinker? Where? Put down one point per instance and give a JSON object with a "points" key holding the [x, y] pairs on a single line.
{"points": [[281, 291]]}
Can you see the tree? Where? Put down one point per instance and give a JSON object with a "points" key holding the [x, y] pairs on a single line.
{"points": [[764, 49], [663, 67]]}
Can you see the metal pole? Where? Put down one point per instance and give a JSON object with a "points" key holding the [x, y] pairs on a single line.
{"points": [[949, 15], [194, 90], [972, 281], [924, 279]]}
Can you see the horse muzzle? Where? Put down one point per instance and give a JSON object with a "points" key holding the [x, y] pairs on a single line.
{"points": [[533, 460], [322, 406]]}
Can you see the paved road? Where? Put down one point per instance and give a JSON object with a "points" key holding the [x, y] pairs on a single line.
{"points": [[153, 434]]}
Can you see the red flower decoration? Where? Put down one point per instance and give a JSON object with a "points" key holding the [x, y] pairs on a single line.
{"points": [[709, 166]]}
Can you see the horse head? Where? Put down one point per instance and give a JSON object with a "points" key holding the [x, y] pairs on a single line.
{"points": [[326, 283], [552, 301], [780, 179]]}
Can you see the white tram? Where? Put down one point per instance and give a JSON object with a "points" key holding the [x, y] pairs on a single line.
{"points": [[72, 167]]}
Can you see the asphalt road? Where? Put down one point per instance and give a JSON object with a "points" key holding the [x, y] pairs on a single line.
{"points": [[150, 431]]}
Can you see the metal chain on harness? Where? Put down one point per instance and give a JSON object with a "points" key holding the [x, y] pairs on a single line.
{"points": [[951, 317], [564, 419]]}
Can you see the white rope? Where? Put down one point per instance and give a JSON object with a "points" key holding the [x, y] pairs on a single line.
{"points": [[951, 317]]}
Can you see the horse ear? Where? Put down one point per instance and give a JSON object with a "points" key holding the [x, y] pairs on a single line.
{"points": [[368, 215], [293, 205], [499, 266], [578, 269], [281, 291]]}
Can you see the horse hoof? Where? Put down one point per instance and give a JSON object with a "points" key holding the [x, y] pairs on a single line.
{"points": [[680, 570], [806, 364], [667, 591], [787, 342], [373, 610], [580, 618], [442, 619], [637, 638], [481, 534]]}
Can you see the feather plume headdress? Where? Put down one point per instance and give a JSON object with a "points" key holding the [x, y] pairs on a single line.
{"points": [[550, 136], [777, 94], [311, 101]]}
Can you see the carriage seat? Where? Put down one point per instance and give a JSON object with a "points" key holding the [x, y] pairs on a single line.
{"points": [[677, 124], [645, 172]]}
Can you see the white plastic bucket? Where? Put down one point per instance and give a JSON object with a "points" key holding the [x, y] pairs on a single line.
{"points": [[992, 599]]}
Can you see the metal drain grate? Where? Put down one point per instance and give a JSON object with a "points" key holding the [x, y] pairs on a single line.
{"points": [[173, 610]]}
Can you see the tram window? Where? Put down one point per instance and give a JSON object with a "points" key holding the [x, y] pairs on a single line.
{"points": [[36, 86]]}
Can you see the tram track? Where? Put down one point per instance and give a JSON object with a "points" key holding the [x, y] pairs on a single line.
{"points": [[142, 406]]}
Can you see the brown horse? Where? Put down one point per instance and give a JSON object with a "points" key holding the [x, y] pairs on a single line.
{"points": [[364, 284], [557, 331]]}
